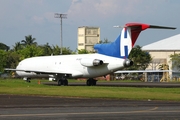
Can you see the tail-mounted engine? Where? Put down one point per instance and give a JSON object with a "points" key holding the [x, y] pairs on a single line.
{"points": [[127, 63], [90, 62]]}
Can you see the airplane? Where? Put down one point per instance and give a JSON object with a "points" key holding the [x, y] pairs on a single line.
{"points": [[110, 57]]}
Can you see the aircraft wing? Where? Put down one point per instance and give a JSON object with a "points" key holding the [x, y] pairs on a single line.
{"points": [[142, 71], [9, 69], [67, 72]]}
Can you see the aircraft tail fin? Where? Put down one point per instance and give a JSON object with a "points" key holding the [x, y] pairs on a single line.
{"points": [[124, 43]]}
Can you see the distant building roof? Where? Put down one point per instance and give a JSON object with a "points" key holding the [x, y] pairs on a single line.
{"points": [[168, 44], [88, 27]]}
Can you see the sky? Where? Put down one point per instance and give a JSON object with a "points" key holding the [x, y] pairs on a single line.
{"points": [[19, 18]]}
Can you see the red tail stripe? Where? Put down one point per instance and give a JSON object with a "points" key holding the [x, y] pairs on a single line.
{"points": [[136, 28]]}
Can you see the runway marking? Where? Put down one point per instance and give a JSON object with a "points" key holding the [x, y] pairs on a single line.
{"points": [[88, 113]]}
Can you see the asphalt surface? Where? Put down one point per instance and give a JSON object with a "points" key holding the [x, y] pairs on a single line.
{"points": [[15, 107], [124, 84]]}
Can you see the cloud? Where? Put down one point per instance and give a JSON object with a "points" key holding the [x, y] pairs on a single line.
{"points": [[41, 11], [109, 9], [38, 19], [102, 8], [17, 12]]}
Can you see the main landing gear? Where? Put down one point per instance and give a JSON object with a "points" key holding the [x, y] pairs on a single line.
{"points": [[91, 82], [63, 81]]}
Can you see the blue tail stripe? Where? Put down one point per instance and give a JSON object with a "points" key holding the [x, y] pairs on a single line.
{"points": [[126, 51], [109, 49], [114, 49], [125, 33]]}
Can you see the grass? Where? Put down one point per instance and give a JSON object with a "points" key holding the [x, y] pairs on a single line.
{"points": [[20, 87]]}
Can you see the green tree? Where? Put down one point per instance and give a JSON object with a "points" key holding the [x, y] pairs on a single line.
{"points": [[3, 58], [4, 47], [18, 46], [65, 50], [56, 50], [13, 58], [140, 58], [47, 49], [163, 67], [104, 41], [83, 51], [29, 41], [30, 51], [175, 59]]}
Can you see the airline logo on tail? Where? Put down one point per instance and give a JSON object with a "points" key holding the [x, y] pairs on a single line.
{"points": [[125, 42], [122, 46]]}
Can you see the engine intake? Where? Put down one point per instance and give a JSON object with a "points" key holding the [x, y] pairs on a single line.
{"points": [[91, 62], [97, 62], [127, 63]]}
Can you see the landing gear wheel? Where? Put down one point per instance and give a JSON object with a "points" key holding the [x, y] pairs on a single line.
{"points": [[88, 82], [59, 82], [63, 81], [94, 82], [91, 82]]}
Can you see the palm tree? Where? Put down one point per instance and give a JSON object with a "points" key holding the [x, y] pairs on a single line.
{"points": [[83, 51], [65, 50], [164, 67], [104, 41], [4, 47], [56, 50], [47, 49], [29, 41], [17, 46]]}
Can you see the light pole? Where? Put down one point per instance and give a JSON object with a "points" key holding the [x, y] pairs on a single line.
{"points": [[61, 16]]}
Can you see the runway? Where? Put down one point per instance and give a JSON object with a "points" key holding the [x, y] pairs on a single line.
{"points": [[124, 84], [40, 107]]}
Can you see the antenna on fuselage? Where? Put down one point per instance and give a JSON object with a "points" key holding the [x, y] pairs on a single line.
{"points": [[117, 26]]}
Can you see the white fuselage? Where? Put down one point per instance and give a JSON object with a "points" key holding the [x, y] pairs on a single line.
{"points": [[69, 64]]}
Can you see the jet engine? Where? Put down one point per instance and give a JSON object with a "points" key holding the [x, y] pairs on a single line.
{"points": [[127, 63], [90, 62]]}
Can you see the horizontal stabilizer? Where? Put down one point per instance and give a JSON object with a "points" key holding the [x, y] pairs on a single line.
{"points": [[9, 69], [161, 27], [142, 71]]}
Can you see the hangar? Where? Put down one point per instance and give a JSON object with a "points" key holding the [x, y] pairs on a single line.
{"points": [[160, 52]]}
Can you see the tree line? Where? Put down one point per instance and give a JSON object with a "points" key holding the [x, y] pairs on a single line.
{"points": [[9, 58]]}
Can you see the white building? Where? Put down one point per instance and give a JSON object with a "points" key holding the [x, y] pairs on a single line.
{"points": [[160, 51], [87, 37]]}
